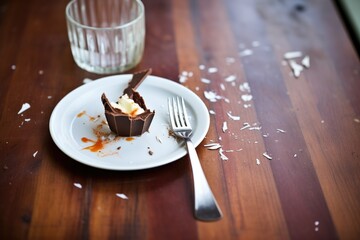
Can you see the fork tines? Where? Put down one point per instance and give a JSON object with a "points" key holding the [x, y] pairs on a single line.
{"points": [[178, 114]]}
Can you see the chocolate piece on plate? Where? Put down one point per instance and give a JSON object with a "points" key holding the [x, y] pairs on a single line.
{"points": [[123, 124], [136, 80]]}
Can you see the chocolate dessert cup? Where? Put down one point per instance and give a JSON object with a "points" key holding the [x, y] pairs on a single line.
{"points": [[122, 123]]}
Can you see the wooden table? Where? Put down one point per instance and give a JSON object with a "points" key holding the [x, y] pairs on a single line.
{"points": [[309, 125]]}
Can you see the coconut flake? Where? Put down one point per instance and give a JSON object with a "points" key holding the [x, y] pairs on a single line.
{"points": [[306, 62], [356, 120], [78, 185], [246, 52], [235, 118], [212, 146], [35, 153], [245, 125], [245, 87], [13, 67], [121, 195], [24, 107], [27, 119], [222, 155], [257, 161], [280, 130], [204, 80], [291, 55], [212, 70], [296, 68], [255, 128], [224, 126], [247, 105], [222, 86], [212, 112], [211, 96], [267, 156], [230, 78], [201, 67], [246, 97]]}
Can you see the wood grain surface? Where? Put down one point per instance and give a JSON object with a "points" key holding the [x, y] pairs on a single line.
{"points": [[309, 126]]}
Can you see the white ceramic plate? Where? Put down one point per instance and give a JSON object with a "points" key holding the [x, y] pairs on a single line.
{"points": [[80, 114]]}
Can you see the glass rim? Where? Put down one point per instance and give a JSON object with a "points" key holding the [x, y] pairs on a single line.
{"points": [[73, 21]]}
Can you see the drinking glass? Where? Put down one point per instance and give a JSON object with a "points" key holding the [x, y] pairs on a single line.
{"points": [[106, 36]]}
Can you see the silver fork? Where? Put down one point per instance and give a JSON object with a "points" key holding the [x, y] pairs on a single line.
{"points": [[206, 207]]}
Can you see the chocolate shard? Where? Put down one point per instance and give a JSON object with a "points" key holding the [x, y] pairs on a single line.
{"points": [[136, 80], [123, 124]]}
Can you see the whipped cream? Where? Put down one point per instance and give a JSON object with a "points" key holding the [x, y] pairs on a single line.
{"points": [[128, 106]]}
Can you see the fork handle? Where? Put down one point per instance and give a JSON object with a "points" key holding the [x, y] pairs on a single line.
{"points": [[206, 207]]}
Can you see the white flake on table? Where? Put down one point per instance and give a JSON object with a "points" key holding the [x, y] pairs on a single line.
{"points": [[212, 70], [205, 80], [41, 72], [245, 125], [212, 146], [245, 87], [235, 118], [246, 52], [13, 67], [202, 67], [356, 120], [24, 107], [295, 155], [183, 77], [296, 68], [49, 97], [257, 161], [212, 112], [122, 195], [222, 155], [265, 154], [306, 62], [291, 55], [280, 130], [230, 78], [224, 126], [212, 96], [222, 86], [35, 153], [78, 185], [255, 128], [27, 119], [316, 223], [246, 97]]}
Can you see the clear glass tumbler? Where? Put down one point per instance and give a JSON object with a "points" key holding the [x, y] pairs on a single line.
{"points": [[106, 36]]}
